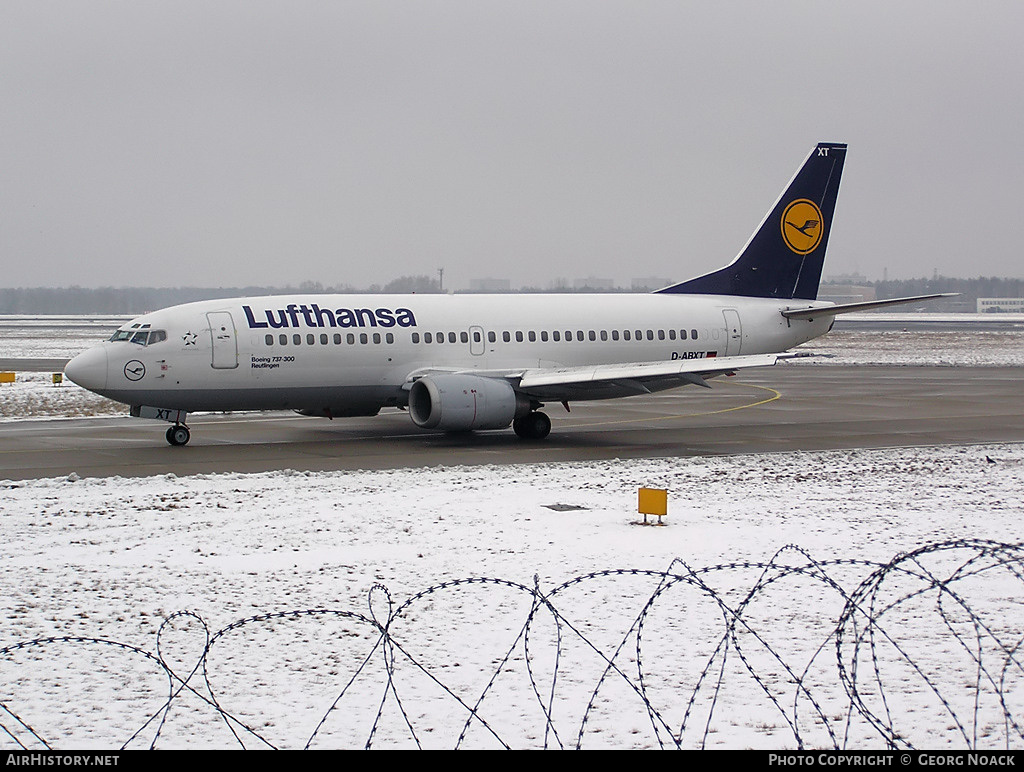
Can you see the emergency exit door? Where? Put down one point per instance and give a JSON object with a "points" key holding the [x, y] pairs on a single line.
{"points": [[733, 332]]}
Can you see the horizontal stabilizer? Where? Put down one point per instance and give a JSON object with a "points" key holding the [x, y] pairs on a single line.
{"points": [[846, 308]]}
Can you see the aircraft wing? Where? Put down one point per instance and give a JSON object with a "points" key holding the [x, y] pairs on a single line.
{"points": [[619, 380], [614, 380]]}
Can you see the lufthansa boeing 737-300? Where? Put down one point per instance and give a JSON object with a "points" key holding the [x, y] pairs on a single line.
{"points": [[466, 362]]}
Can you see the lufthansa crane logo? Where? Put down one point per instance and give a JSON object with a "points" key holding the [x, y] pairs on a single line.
{"points": [[134, 370], [802, 226]]}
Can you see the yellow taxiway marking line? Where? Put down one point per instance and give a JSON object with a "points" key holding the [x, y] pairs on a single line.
{"points": [[775, 395]]}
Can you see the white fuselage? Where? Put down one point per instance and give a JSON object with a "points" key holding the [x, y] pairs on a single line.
{"points": [[353, 354]]}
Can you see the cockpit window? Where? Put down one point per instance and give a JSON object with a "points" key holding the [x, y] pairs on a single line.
{"points": [[139, 337]]}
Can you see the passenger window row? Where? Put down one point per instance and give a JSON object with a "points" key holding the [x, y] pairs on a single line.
{"points": [[324, 339], [518, 336], [557, 336], [451, 337]]}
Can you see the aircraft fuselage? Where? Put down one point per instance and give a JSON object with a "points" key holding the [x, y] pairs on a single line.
{"points": [[353, 354]]}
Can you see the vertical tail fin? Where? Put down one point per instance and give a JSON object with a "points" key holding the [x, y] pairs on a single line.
{"points": [[784, 257]]}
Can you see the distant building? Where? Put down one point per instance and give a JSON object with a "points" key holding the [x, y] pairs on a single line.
{"points": [[846, 293], [489, 285], [855, 279], [648, 283], [1000, 305], [594, 283], [559, 284]]}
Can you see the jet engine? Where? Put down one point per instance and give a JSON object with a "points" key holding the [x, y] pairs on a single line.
{"points": [[458, 403]]}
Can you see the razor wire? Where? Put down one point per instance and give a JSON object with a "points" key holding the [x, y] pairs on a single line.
{"points": [[794, 652]]}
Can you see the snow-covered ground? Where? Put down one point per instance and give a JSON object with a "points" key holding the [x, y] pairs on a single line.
{"points": [[53, 336], [336, 616], [845, 599], [34, 395], [963, 347]]}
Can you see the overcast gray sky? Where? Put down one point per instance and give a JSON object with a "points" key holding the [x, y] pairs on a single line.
{"points": [[236, 143]]}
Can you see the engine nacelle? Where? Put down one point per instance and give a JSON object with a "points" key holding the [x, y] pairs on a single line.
{"points": [[457, 403]]}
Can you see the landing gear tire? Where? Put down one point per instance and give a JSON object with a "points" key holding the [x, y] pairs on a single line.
{"points": [[535, 426], [178, 435]]}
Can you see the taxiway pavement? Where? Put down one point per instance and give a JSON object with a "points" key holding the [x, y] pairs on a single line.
{"points": [[785, 408]]}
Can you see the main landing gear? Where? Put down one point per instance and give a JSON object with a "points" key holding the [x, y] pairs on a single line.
{"points": [[178, 435], [533, 426]]}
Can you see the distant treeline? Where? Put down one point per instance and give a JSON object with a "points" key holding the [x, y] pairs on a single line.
{"points": [[137, 300], [970, 290], [105, 300], [134, 300]]}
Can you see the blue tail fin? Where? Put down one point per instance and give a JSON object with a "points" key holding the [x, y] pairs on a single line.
{"points": [[784, 257]]}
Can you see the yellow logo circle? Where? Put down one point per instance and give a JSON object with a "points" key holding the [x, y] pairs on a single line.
{"points": [[802, 226]]}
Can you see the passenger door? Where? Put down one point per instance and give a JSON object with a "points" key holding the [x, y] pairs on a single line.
{"points": [[223, 340]]}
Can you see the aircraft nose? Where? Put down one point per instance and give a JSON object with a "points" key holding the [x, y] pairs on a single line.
{"points": [[89, 369]]}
